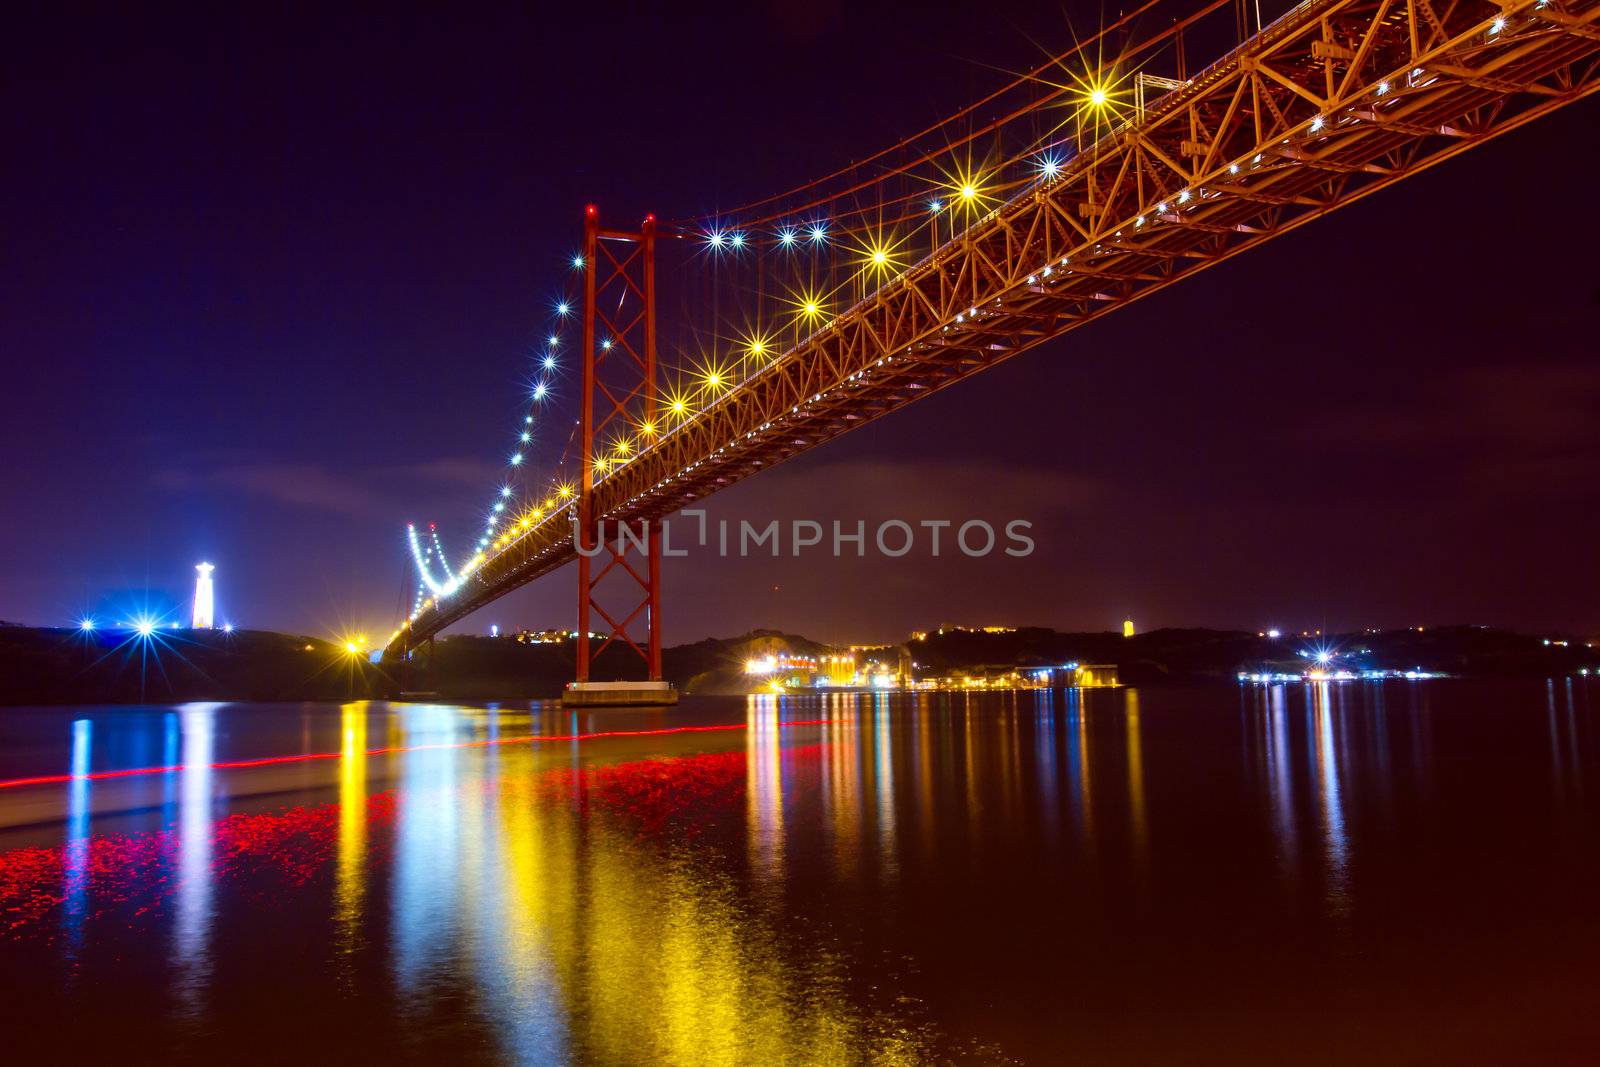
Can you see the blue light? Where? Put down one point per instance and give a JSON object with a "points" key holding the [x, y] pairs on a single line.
{"points": [[818, 232], [86, 625]]}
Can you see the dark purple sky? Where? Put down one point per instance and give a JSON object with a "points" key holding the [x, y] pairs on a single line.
{"points": [[269, 287]]}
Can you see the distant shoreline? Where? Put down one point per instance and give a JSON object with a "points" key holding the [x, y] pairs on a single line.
{"points": [[42, 666]]}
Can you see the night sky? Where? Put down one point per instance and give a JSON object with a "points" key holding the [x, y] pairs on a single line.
{"points": [[270, 287]]}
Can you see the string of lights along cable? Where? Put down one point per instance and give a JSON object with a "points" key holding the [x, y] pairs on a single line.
{"points": [[1171, 138]]}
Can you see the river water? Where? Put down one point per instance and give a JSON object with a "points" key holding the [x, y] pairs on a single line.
{"points": [[1390, 872]]}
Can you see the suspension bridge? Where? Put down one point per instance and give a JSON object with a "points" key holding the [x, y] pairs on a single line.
{"points": [[1109, 172]]}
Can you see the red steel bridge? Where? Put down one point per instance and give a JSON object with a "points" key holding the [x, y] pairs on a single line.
{"points": [[1111, 171]]}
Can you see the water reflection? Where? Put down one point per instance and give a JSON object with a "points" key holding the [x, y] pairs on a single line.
{"points": [[1044, 751], [1139, 831], [191, 928], [428, 869], [787, 891], [1280, 780], [76, 888], [1330, 800], [585, 940], [1078, 762], [350, 886], [883, 771], [764, 772], [841, 788]]}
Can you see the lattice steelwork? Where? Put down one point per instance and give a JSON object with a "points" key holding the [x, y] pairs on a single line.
{"points": [[1333, 101], [619, 386]]}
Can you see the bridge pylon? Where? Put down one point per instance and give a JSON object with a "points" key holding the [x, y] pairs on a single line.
{"points": [[618, 403]]}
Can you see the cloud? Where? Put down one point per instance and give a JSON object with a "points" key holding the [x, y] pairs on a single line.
{"points": [[374, 492], [467, 472], [300, 485], [1526, 427], [875, 489], [1518, 406]]}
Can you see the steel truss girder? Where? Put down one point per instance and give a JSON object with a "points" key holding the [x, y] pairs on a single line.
{"points": [[1331, 103]]}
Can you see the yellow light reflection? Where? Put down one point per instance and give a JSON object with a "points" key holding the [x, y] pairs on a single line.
{"points": [[764, 791], [600, 946], [1136, 814]]}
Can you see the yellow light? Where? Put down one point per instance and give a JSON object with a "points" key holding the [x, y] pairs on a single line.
{"points": [[648, 429], [879, 254], [623, 447], [713, 377], [1098, 96], [678, 404], [758, 346], [565, 491], [966, 183], [808, 303], [538, 513]]}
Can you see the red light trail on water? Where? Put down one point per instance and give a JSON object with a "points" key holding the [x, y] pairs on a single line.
{"points": [[306, 757]]}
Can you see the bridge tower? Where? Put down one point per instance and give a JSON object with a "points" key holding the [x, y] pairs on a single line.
{"points": [[617, 402]]}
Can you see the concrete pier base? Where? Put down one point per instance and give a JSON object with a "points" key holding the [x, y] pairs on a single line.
{"points": [[619, 694]]}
